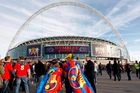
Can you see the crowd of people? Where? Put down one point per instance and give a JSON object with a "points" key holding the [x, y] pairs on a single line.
{"points": [[117, 68], [13, 73], [51, 76]]}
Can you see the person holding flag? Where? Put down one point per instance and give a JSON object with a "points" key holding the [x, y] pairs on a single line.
{"points": [[77, 79], [51, 83]]}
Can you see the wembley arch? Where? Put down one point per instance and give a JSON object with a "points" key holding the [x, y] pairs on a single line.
{"points": [[71, 3]]}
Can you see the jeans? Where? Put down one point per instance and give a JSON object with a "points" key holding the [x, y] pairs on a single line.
{"points": [[25, 81], [5, 86]]}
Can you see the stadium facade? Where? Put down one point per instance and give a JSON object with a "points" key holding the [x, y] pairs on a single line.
{"points": [[60, 46]]}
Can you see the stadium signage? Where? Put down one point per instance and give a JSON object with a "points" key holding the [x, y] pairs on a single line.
{"points": [[100, 50], [33, 50], [66, 49]]}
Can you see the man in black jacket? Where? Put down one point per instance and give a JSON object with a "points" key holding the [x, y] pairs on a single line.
{"points": [[89, 72], [116, 71], [128, 70], [40, 70], [109, 69]]}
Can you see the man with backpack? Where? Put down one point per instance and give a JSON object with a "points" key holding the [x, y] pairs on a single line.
{"points": [[1, 72]]}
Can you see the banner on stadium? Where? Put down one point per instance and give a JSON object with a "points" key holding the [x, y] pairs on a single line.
{"points": [[34, 50], [99, 50], [66, 49]]}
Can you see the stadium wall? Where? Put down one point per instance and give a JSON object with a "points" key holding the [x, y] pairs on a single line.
{"points": [[59, 47]]}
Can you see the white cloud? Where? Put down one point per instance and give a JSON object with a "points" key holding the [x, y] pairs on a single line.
{"points": [[135, 55], [9, 18], [137, 41], [37, 3], [17, 9], [115, 9], [63, 22], [66, 20], [6, 36], [56, 24], [120, 19], [41, 3], [127, 16]]}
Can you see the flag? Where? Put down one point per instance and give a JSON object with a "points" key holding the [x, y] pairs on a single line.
{"points": [[51, 83], [77, 79]]}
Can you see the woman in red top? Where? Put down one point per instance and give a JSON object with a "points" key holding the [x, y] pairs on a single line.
{"points": [[7, 71]]}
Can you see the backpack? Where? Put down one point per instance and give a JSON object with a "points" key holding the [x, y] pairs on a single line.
{"points": [[1, 72]]}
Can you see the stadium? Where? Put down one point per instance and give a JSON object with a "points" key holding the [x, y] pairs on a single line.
{"points": [[60, 46]]}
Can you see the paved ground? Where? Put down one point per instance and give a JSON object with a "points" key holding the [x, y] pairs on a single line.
{"points": [[105, 85]]}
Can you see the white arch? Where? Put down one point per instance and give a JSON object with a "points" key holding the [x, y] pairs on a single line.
{"points": [[72, 3]]}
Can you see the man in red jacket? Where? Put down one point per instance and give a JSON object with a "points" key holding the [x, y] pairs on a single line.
{"points": [[22, 70], [7, 71]]}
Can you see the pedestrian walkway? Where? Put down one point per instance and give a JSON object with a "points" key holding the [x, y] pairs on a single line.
{"points": [[105, 85]]}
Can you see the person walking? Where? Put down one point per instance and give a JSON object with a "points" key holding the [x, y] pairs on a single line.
{"points": [[1, 72], [7, 73], [96, 68], [136, 65], [100, 69], [76, 77], [109, 69], [51, 82], [40, 71], [68, 87], [115, 70], [139, 69], [90, 72], [22, 70], [128, 70], [120, 69]]}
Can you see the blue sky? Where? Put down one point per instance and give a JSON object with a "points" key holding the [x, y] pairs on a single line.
{"points": [[71, 20]]}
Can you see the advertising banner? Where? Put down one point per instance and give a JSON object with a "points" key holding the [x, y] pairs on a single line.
{"points": [[100, 50], [66, 49], [34, 50]]}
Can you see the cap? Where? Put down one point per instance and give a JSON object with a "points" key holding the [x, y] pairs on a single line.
{"points": [[69, 56]]}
